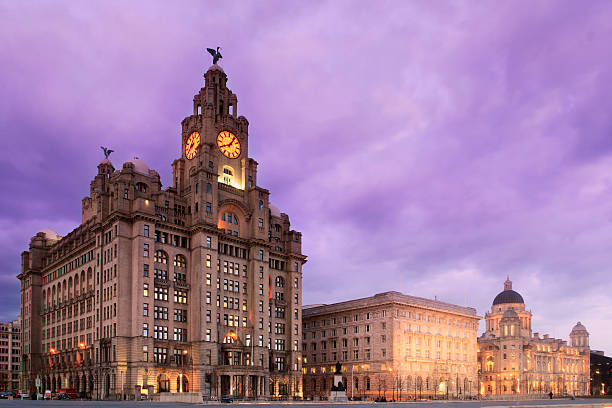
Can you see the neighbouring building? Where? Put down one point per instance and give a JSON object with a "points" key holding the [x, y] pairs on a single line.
{"points": [[10, 355], [512, 360], [193, 288], [601, 373], [391, 345]]}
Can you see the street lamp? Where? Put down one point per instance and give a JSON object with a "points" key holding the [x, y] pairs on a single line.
{"points": [[392, 387]]}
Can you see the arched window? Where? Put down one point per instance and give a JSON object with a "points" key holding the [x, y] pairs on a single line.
{"points": [[490, 364], [228, 175], [229, 222], [163, 383], [161, 256], [230, 218], [180, 261], [182, 383], [142, 187], [279, 282], [89, 278], [230, 338], [70, 288]]}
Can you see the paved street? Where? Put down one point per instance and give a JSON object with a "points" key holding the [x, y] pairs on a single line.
{"points": [[452, 404]]}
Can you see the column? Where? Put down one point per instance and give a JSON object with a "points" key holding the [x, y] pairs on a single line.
{"points": [[231, 384]]}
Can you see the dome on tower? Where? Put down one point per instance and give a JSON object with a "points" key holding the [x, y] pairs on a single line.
{"points": [[215, 67], [508, 295], [579, 327], [50, 234], [139, 165]]}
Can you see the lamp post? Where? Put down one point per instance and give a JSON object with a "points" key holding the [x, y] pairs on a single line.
{"points": [[392, 387]]}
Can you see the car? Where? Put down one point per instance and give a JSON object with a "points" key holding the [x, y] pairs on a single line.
{"points": [[47, 394], [23, 395], [70, 392], [227, 400], [62, 396], [4, 395]]}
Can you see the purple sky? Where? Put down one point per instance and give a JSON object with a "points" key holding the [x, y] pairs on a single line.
{"points": [[427, 147]]}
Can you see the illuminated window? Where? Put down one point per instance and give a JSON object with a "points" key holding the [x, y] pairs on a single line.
{"points": [[180, 261], [161, 256], [228, 175]]}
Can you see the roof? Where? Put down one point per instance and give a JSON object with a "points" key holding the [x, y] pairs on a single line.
{"points": [[139, 166], [508, 296], [385, 298]]}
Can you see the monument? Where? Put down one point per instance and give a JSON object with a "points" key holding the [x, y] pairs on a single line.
{"points": [[338, 390]]}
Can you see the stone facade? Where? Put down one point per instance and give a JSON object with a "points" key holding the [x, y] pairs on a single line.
{"points": [[10, 355], [512, 360], [391, 345], [193, 288]]}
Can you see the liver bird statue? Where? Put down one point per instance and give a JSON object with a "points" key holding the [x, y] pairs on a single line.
{"points": [[107, 152], [216, 54]]}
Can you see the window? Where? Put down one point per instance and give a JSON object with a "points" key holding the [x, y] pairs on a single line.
{"points": [[146, 251], [207, 337], [208, 260], [161, 257], [180, 315], [160, 332], [180, 296], [145, 309], [145, 270], [142, 187], [160, 313], [125, 193], [260, 222], [208, 279], [279, 282], [146, 230], [208, 298], [160, 293], [295, 282], [260, 204], [180, 261], [261, 255], [180, 334], [146, 289], [208, 242], [145, 329], [208, 207]]}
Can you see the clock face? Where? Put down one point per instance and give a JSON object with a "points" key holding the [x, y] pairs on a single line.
{"points": [[192, 144], [228, 144]]}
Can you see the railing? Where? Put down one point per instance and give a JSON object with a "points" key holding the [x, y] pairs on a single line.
{"points": [[230, 189]]}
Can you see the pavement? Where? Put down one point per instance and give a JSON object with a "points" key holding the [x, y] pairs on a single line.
{"points": [[578, 403]]}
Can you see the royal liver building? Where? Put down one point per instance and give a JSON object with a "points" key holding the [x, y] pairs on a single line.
{"points": [[189, 291]]}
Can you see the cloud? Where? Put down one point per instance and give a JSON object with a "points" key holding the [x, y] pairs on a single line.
{"points": [[427, 148]]}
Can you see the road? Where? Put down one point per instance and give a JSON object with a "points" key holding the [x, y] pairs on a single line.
{"points": [[579, 403]]}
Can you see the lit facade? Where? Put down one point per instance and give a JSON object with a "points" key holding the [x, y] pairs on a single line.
{"points": [[10, 355], [512, 360], [391, 345], [195, 288]]}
